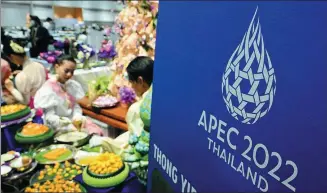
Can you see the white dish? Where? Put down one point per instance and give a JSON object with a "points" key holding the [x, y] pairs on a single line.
{"points": [[17, 163], [5, 170], [7, 157], [72, 136]]}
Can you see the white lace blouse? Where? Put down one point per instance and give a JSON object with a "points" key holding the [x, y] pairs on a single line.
{"points": [[59, 100]]}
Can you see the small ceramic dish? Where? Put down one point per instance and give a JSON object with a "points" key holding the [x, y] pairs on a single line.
{"points": [[5, 170], [22, 163], [7, 157]]}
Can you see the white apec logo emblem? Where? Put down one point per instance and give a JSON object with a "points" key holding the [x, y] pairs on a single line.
{"points": [[249, 82]]}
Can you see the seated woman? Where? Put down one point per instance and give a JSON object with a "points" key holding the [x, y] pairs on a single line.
{"points": [[9, 94], [29, 80], [58, 99], [27, 76], [15, 55], [140, 75]]}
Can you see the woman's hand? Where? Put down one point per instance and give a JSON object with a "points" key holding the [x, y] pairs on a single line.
{"points": [[16, 72], [97, 131], [69, 127], [9, 99], [79, 122], [9, 85]]}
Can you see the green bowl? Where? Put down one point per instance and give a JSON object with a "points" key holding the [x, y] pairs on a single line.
{"points": [[17, 115], [105, 175], [100, 182], [20, 138]]}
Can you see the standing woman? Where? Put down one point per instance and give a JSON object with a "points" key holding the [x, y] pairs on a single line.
{"points": [[58, 99], [40, 37]]}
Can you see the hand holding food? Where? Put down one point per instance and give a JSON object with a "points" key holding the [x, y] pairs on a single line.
{"points": [[79, 122], [9, 84], [64, 121]]}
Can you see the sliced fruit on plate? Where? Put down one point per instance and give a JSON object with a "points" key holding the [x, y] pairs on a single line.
{"points": [[54, 154]]}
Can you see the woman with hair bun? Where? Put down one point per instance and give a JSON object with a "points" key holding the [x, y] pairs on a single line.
{"points": [[58, 99]]}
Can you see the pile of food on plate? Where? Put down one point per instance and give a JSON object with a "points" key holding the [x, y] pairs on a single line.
{"points": [[105, 101], [14, 111], [58, 184], [54, 153], [107, 170], [33, 133], [65, 170]]}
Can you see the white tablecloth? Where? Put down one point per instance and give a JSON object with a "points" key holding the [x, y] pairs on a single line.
{"points": [[85, 76]]}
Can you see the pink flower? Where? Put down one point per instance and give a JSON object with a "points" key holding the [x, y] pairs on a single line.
{"points": [[109, 43], [51, 59], [107, 48], [42, 55], [101, 49], [104, 41], [57, 52]]}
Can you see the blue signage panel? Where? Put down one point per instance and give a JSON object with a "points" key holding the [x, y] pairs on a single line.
{"points": [[240, 97]]}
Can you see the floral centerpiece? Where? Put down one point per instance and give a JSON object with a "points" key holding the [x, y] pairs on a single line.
{"points": [[136, 24], [50, 56], [59, 44], [107, 31], [62, 45], [83, 54], [127, 95], [107, 51], [98, 87]]}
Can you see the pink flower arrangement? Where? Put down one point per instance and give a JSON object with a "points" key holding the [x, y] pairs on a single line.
{"points": [[107, 51]]}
